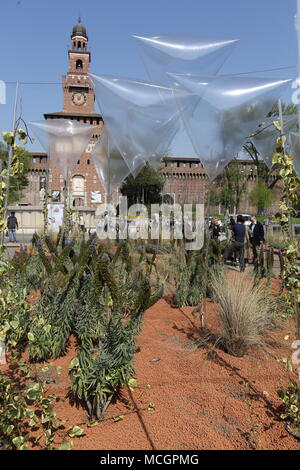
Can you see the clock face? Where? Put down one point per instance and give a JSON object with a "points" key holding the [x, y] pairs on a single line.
{"points": [[79, 98]]}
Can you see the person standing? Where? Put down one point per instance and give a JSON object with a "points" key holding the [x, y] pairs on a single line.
{"points": [[12, 226], [237, 245], [215, 228], [248, 246], [257, 235]]}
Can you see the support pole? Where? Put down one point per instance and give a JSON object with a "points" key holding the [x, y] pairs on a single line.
{"points": [[297, 27], [10, 152]]}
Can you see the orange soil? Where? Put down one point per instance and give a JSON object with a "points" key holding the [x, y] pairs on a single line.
{"points": [[203, 400]]}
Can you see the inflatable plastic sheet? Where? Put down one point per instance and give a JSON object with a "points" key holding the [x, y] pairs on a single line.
{"points": [[226, 111], [141, 118], [266, 136], [294, 150], [109, 163], [63, 140], [197, 55], [184, 54]]}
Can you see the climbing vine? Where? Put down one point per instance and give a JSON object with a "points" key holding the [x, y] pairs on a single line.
{"points": [[291, 197], [16, 167]]}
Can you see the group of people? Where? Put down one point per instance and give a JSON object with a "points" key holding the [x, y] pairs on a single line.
{"points": [[247, 236]]}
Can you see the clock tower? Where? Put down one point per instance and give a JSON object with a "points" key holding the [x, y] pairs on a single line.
{"points": [[79, 99], [78, 92]]}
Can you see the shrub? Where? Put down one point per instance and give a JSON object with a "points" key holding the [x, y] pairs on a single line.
{"points": [[245, 312], [98, 297]]}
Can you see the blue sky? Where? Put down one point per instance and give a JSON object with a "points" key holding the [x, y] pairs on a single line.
{"points": [[35, 37]]}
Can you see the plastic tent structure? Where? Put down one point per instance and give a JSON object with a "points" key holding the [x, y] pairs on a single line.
{"points": [[63, 140], [141, 118], [183, 54], [225, 112], [109, 163]]}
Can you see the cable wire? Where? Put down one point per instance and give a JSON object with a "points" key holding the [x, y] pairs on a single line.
{"points": [[236, 73]]}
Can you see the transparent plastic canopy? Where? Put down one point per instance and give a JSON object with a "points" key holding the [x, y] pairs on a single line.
{"points": [[109, 163], [63, 140], [141, 118], [226, 111], [183, 54], [294, 150], [265, 136]]}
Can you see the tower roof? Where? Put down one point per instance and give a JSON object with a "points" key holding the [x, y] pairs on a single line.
{"points": [[79, 30]]}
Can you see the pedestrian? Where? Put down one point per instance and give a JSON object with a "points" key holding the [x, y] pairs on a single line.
{"points": [[215, 229], [12, 226], [81, 223], [248, 250], [257, 235], [237, 245], [231, 222]]}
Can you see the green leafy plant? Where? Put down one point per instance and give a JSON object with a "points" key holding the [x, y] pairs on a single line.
{"points": [[100, 298], [291, 403], [27, 417]]}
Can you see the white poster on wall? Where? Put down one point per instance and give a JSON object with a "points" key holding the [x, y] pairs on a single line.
{"points": [[96, 197], [55, 216]]}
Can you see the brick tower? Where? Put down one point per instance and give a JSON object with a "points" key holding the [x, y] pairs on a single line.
{"points": [[78, 93], [79, 99]]}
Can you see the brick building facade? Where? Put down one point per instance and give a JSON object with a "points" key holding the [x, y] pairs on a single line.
{"points": [[185, 178]]}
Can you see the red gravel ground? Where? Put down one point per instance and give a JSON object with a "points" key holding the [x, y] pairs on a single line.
{"points": [[204, 398]]}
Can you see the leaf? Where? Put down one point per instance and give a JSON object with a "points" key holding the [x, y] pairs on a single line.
{"points": [[24, 447], [66, 446], [30, 336], [118, 418], [18, 441], [76, 431], [151, 407], [74, 363], [132, 383], [47, 328], [91, 425]]}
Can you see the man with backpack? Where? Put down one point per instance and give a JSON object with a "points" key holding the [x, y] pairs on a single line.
{"points": [[238, 243]]}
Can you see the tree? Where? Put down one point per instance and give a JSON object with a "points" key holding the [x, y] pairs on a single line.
{"points": [[19, 181], [229, 186], [261, 197], [145, 188]]}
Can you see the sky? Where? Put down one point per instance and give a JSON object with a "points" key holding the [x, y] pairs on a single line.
{"points": [[35, 36]]}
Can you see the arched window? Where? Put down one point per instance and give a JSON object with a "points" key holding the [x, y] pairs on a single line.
{"points": [[79, 65], [78, 184], [79, 44]]}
